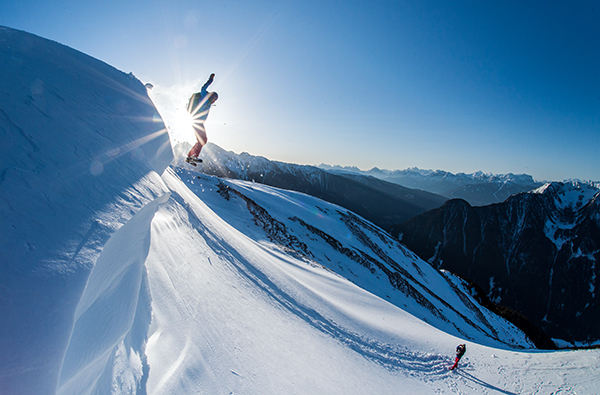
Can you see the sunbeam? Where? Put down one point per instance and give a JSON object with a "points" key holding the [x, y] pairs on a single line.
{"points": [[97, 166], [170, 103]]}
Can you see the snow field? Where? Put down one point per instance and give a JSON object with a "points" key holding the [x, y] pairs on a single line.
{"points": [[255, 325], [232, 315]]}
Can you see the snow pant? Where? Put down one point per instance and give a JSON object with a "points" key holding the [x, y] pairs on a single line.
{"points": [[455, 363], [201, 138]]}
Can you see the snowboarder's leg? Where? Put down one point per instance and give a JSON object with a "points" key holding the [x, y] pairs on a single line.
{"points": [[195, 151], [201, 141], [455, 363]]}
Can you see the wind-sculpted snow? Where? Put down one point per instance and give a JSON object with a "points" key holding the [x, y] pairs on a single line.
{"points": [[117, 298], [81, 150]]}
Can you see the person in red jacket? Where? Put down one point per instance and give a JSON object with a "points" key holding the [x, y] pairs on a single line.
{"points": [[198, 106], [460, 351]]}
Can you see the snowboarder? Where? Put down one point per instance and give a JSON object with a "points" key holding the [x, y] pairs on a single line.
{"points": [[199, 105], [460, 351]]}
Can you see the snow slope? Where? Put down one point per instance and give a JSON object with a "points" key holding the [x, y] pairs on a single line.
{"points": [[236, 312], [82, 147], [117, 277], [327, 235]]}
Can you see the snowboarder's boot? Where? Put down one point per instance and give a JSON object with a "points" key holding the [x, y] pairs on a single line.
{"points": [[192, 160]]}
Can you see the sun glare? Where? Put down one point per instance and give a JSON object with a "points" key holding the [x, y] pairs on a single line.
{"points": [[171, 106], [181, 126]]}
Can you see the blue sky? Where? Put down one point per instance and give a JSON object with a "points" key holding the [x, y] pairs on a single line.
{"points": [[462, 86]]}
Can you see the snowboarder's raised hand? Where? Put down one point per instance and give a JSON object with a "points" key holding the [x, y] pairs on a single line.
{"points": [[203, 91]]}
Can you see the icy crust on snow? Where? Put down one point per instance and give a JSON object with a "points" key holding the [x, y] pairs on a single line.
{"points": [[81, 153]]}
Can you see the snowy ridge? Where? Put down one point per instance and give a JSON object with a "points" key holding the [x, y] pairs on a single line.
{"points": [[218, 161], [416, 173], [569, 203], [571, 194], [383, 203], [249, 167], [78, 162], [337, 239], [479, 189]]}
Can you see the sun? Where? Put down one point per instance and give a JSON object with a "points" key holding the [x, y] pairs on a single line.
{"points": [[171, 105], [180, 126]]}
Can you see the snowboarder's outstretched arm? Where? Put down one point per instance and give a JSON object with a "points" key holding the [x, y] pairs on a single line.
{"points": [[196, 99], [206, 85]]}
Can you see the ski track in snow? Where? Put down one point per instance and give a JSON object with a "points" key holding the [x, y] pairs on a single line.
{"points": [[389, 356]]}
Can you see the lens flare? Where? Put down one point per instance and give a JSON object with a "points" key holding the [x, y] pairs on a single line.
{"points": [[170, 103], [181, 126]]}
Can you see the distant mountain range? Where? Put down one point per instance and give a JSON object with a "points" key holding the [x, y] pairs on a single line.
{"points": [[479, 189], [383, 203], [535, 253]]}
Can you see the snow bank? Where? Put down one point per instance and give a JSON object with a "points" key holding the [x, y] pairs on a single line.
{"points": [[82, 147]]}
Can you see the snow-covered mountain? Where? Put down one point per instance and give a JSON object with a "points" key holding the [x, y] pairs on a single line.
{"points": [[81, 153], [326, 235], [383, 203], [120, 277], [479, 189], [547, 240]]}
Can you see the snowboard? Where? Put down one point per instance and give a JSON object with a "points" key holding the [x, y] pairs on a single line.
{"points": [[193, 161]]}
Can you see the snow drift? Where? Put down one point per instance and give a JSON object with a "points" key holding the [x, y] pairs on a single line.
{"points": [[118, 277], [82, 149]]}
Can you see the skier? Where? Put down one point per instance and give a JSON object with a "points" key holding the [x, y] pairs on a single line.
{"points": [[199, 105], [460, 351]]}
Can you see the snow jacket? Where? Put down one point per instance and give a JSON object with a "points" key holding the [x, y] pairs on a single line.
{"points": [[460, 350], [199, 103]]}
